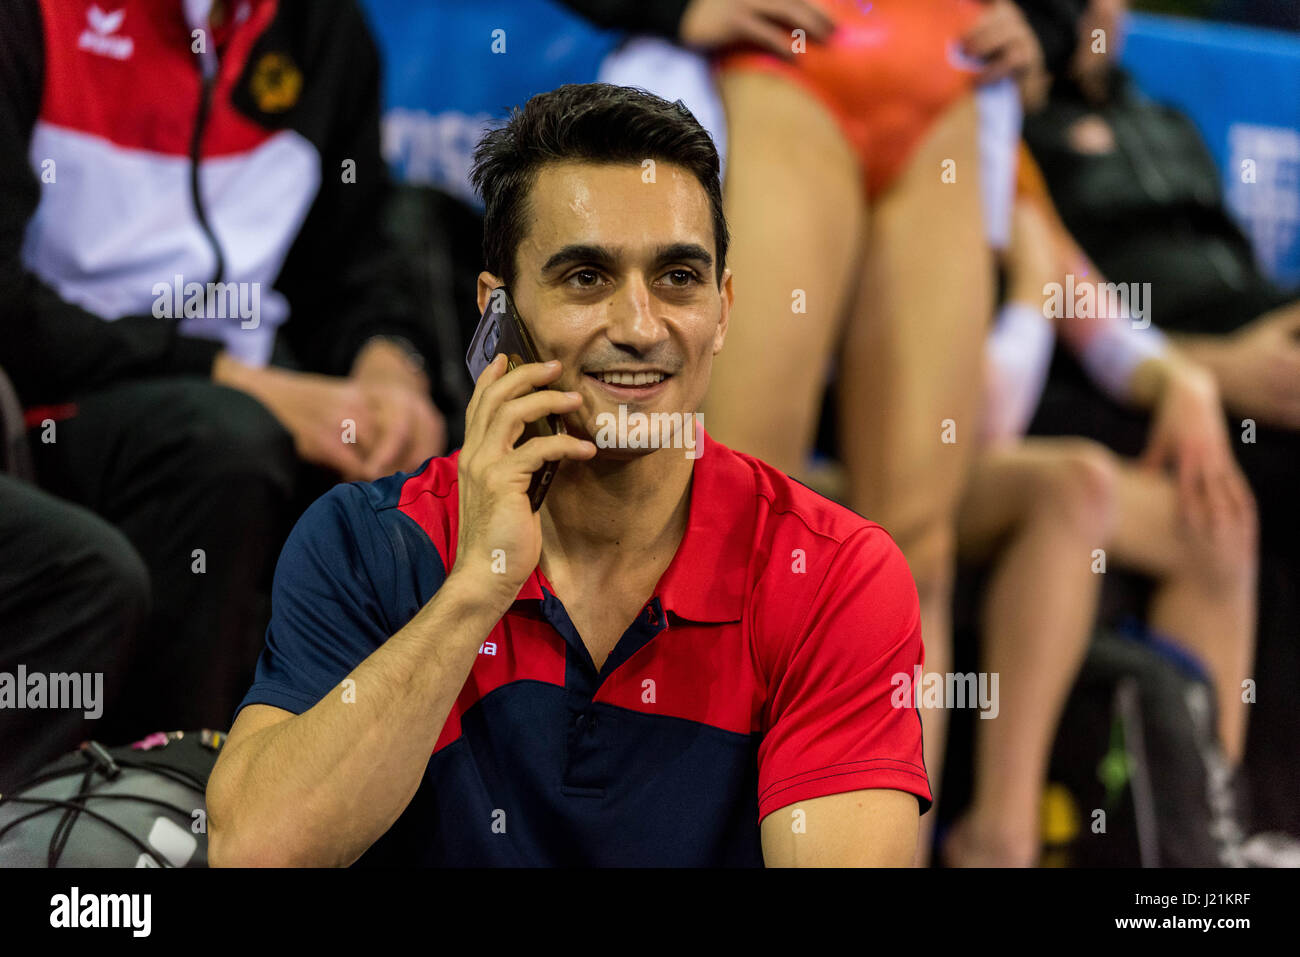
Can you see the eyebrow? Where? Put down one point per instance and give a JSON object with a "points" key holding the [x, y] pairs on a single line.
{"points": [[607, 257]]}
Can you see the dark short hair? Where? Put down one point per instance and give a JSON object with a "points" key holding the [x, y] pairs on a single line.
{"points": [[585, 122]]}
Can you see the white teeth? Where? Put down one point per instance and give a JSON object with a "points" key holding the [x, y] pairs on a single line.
{"points": [[629, 378]]}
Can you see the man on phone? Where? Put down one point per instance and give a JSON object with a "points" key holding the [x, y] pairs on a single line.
{"points": [[682, 658]]}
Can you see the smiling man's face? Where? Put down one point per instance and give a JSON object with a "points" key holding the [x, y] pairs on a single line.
{"points": [[616, 279]]}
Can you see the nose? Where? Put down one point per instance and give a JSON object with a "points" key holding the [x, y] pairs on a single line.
{"points": [[633, 323]]}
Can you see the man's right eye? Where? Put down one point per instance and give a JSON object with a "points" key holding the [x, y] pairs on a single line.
{"points": [[591, 274]]}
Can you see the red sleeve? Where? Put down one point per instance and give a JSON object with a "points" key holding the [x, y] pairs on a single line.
{"points": [[832, 723]]}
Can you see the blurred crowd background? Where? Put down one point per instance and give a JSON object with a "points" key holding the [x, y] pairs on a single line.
{"points": [[1165, 156]]}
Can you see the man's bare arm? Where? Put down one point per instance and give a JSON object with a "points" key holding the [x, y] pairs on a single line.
{"points": [[321, 787], [868, 828], [317, 789]]}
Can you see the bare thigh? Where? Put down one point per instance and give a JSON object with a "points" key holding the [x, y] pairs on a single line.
{"points": [[793, 201], [913, 350]]}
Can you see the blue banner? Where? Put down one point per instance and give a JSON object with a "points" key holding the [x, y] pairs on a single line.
{"points": [[452, 69], [1241, 86]]}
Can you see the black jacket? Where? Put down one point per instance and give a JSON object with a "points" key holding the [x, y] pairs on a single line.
{"points": [[1150, 209]]}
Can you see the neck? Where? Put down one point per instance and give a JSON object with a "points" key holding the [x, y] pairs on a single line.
{"points": [[605, 516]]}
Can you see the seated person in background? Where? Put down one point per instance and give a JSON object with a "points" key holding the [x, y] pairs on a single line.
{"points": [[1037, 508], [853, 188], [181, 202], [1168, 226], [683, 658], [74, 596]]}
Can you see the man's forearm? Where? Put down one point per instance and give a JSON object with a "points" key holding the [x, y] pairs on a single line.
{"points": [[320, 788]]}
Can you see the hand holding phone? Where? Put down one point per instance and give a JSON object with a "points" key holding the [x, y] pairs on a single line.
{"points": [[499, 539], [502, 331]]}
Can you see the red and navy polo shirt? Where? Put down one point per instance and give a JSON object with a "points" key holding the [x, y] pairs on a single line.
{"points": [[760, 674]]}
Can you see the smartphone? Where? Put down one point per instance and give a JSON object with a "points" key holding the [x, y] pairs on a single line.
{"points": [[502, 330]]}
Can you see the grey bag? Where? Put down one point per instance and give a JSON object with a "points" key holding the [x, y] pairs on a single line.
{"points": [[140, 805]]}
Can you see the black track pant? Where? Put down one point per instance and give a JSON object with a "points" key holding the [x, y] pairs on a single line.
{"points": [[201, 479], [74, 597]]}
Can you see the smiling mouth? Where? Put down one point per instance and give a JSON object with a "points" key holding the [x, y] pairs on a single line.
{"points": [[630, 379]]}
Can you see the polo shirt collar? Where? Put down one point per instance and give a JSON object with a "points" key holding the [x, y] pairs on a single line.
{"points": [[706, 579]]}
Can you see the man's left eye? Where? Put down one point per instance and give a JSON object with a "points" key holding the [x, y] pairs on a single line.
{"points": [[687, 276]]}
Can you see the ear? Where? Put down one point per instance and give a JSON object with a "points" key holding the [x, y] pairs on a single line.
{"points": [[728, 297], [486, 283]]}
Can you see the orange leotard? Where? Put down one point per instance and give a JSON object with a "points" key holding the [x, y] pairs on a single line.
{"points": [[890, 68]]}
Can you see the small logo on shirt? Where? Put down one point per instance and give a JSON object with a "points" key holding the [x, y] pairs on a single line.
{"points": [[99, 37], [276, 83], [488, 648]]}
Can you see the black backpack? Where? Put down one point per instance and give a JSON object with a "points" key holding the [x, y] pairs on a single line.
{"points": [[1137, 754]]}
